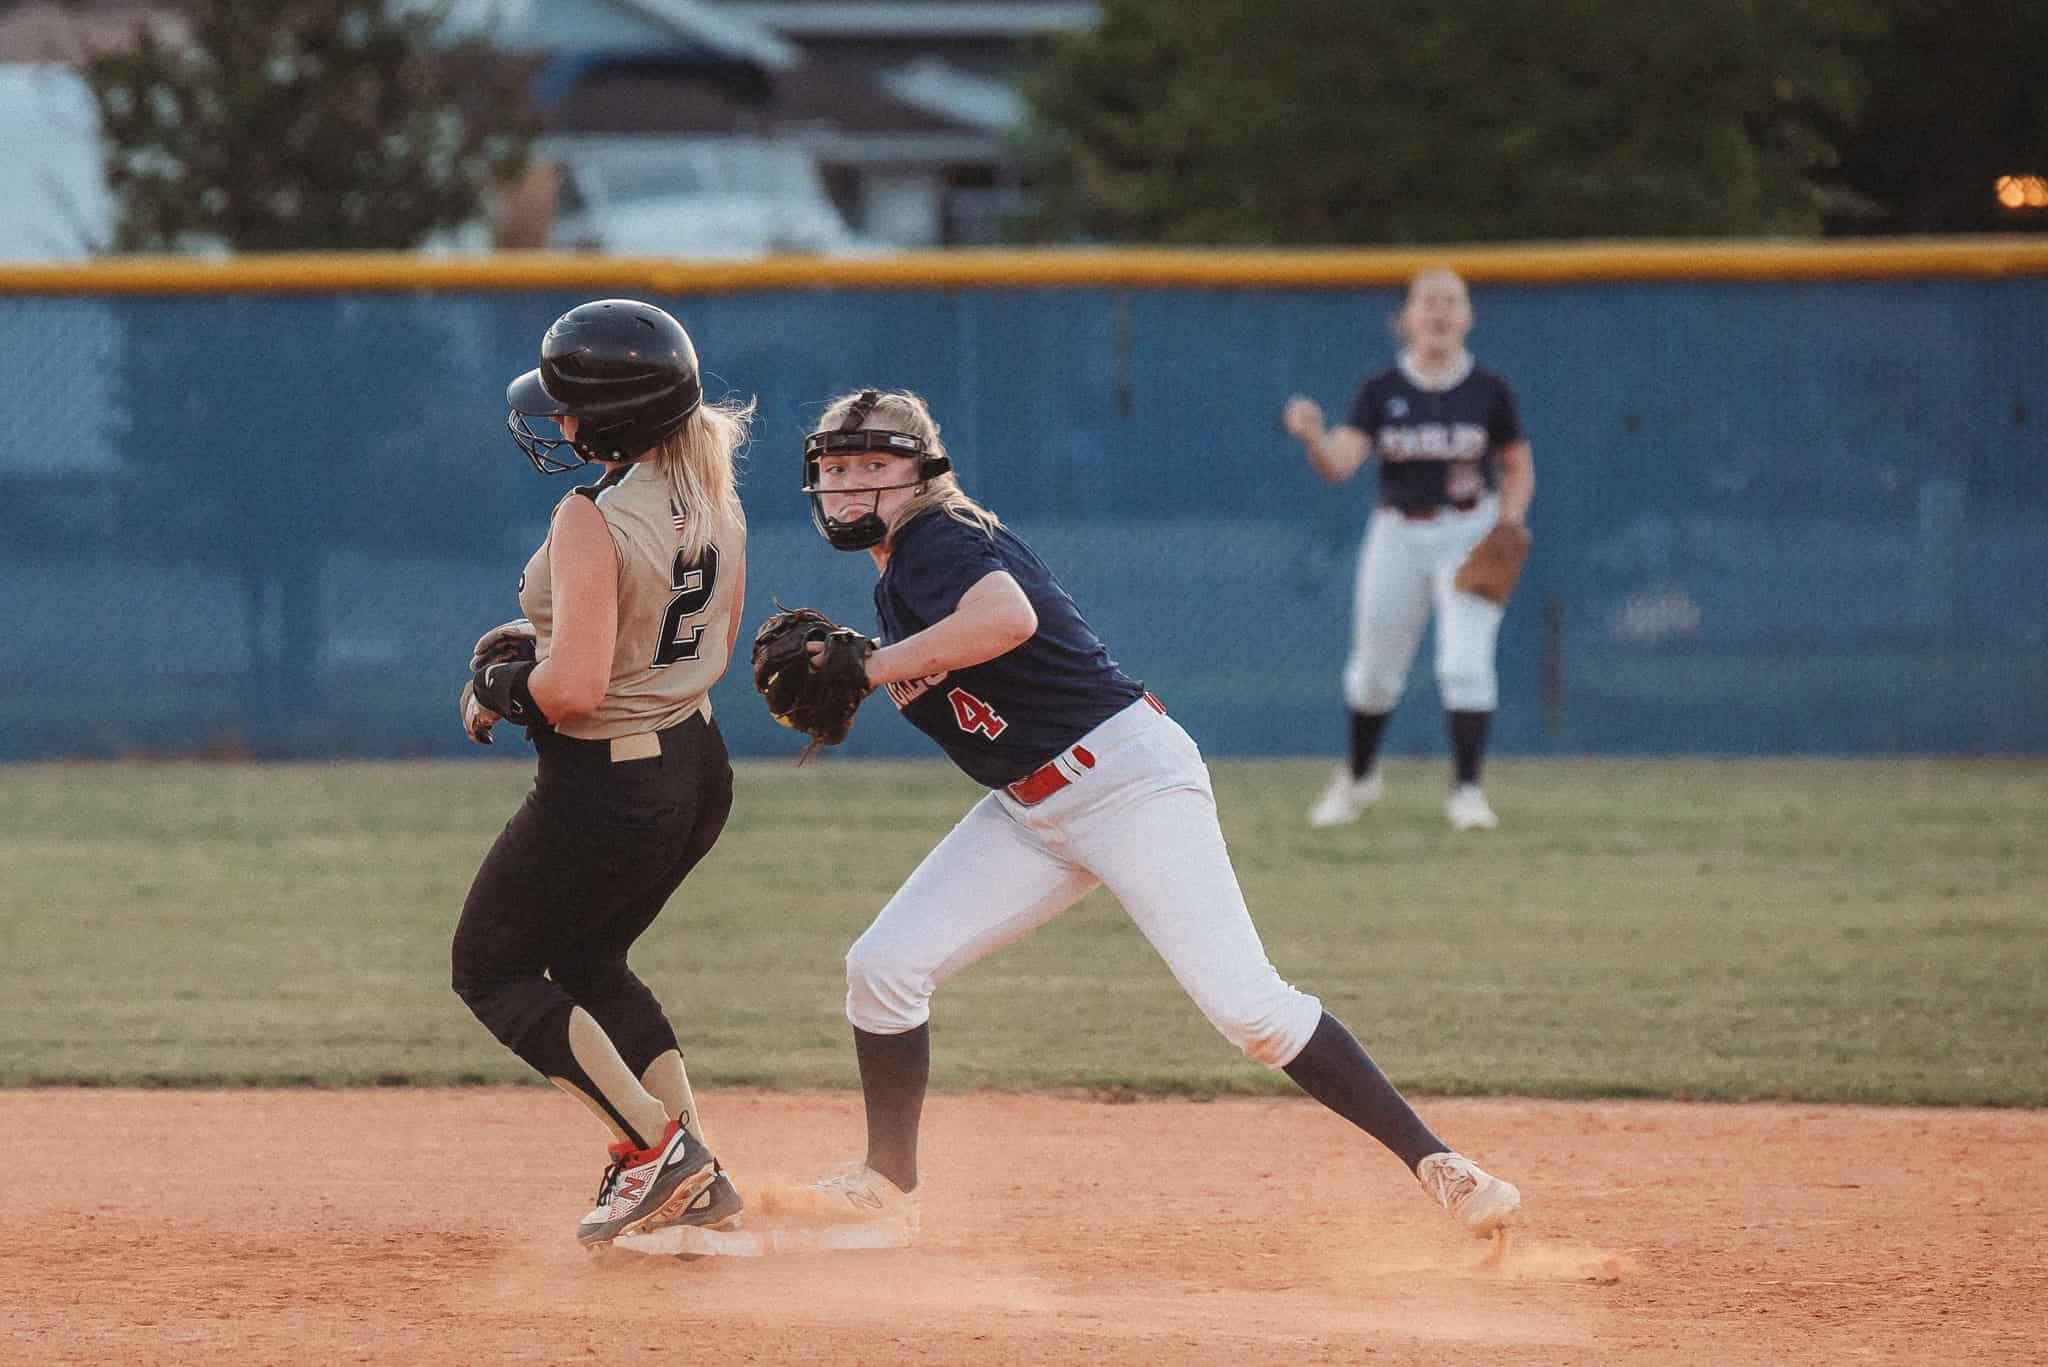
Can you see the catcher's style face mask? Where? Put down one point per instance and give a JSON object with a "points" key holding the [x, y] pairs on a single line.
{"points": [[858, 534]]}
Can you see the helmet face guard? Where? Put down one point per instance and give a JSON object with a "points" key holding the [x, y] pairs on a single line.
{"points": [[625, 370], [868, 529], [539, 449]]}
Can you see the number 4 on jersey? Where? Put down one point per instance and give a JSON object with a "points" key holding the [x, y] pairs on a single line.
{"points": [[975, 715]]}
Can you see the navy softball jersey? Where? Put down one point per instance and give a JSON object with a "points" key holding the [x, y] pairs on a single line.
{"points": [[1436, 446], [1002, 718]]}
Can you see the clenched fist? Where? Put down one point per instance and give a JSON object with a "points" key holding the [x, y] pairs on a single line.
{"points": [[1302, 418]]}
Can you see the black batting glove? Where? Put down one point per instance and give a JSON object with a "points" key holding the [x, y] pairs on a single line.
{"points": [[502, 687]]}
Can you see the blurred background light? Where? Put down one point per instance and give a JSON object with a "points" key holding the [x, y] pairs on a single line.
{"points": [[2023, 192]]}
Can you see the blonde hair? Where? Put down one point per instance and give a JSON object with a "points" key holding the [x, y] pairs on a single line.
{"points": [[899, 410], [701, 463]]}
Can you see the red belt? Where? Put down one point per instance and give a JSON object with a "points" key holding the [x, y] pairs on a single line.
{"points": [[1048, 778]]}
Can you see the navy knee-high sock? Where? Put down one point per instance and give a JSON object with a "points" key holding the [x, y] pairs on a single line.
{"points": [[1366, 730], [894, 1071], [1335, 1069], [1468, 743]]}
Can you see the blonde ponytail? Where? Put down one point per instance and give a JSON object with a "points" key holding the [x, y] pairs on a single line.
{"points": [[701, 463]]}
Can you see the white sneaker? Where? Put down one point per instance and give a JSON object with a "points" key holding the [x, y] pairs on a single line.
{"points": [[857, 1192], [1476, 1199], [1468, 811], [1345, 798]]}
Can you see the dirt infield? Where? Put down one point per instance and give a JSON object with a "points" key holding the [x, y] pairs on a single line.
{"points": [[405, 1226]]}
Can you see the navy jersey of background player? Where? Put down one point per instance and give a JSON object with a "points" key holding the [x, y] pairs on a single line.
{"points": [[1436, 446], [1002, 718]]}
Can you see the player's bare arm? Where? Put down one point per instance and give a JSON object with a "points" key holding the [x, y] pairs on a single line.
{"points": [[1517, 482], [571, 682], [739, 607], [1335, 453], [994, 617]]}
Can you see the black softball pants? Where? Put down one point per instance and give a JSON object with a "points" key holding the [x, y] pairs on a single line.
{"points": [[581, 870]]}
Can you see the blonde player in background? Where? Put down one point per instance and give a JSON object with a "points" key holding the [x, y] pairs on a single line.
{"points": [[1453, 463]]}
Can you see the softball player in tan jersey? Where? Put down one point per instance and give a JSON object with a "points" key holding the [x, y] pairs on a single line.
{"points": [[634, 600], [663, 662]]}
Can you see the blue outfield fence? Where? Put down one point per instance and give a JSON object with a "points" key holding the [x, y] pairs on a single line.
{"points": [[1773, 516]]}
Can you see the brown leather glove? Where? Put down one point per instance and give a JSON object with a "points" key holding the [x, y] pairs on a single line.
{"points": [[1494, 565], [812, 672]]}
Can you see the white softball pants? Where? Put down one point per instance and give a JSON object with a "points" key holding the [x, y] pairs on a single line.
{"points": [[1404, 570], [1141, 822]]}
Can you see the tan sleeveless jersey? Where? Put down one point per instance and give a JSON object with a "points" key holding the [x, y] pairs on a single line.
{"points": [[673, 618]]}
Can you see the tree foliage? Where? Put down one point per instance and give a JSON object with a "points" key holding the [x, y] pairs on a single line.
{"points": [[305, 124], [280, 125], [1955, 95], [1332, 121]]}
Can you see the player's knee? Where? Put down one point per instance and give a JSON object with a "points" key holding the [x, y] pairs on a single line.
{"points": [[885, 994], [1468, 690], [505, 998], [588, 979], [1267, 1049], [507, 1007], [1367, 690], [1275, 1030], [471, 974]]}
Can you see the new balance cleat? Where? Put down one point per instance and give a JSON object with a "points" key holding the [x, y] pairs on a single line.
{"points": [[858, 1193], [644, 1187], [1476, 1199], [718, 1206]]}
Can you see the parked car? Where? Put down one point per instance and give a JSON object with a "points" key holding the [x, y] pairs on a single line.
{"points": [[656, 196]]}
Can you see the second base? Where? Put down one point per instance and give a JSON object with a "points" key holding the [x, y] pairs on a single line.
{"points": [[688, 1241]]}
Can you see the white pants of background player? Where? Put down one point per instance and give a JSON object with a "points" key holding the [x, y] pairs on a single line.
{"points": [[1405, 570], [1141, 822]]}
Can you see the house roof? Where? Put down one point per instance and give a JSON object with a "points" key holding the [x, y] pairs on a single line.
{"points": [[961, 97], [555, 25], [874, 81], [718, 28]]}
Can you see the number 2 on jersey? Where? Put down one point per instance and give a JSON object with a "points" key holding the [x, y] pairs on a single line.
{"points": [[973, 714], [693, 585]]}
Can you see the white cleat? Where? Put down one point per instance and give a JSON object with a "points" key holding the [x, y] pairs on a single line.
{"points": [[856, 1192], [1476, 1199], [1345, 798], [1468, 809]]}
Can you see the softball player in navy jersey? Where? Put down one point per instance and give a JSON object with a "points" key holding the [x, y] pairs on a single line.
{"points": [[1090, 783], [631, 605], [1453, 460]]}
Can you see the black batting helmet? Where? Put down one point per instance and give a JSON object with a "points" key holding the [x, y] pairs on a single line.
{"points": [[626, 371]]}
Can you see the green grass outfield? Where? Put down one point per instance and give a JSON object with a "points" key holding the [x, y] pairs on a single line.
{"points": [[1852, 931]]}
